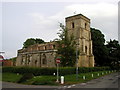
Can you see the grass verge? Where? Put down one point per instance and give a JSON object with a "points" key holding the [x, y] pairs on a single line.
{"points": [[11, 77], [51, 80], [69, 79]]}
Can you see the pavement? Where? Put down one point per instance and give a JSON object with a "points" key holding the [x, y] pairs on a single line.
{"points": [[108, 81]]}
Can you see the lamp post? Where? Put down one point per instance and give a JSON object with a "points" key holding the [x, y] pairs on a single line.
{"points": [[57, 74], [57, 61]]}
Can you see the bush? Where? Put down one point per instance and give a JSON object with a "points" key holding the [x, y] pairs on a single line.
{"points": [[50, 71], [67, 70], [25, 77]]}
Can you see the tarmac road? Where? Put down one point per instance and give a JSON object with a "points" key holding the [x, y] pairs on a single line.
{"points": [[109, 81]]}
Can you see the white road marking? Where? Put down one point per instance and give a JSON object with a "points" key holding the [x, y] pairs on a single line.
{"points": [[83, 83], [69, 86], [118, 76], [65, 86], [73, 85]]}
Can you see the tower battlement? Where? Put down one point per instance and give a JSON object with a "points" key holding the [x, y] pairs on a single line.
{"points": [[77, 17]]}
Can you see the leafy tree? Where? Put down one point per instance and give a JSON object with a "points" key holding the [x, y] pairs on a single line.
{"points": [[112, 44], [114, 53], [32, 41], [39, 41], [66, 47], [105, 55], [100, 51]]}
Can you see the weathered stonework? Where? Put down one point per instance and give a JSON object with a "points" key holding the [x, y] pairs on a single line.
{"points": [[79, 27], [43, 55], [39, 55]]}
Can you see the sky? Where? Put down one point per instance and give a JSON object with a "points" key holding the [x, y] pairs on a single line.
{"points": [[23, 19]]}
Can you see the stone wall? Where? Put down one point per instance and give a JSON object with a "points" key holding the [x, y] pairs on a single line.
{"points": [[39, 55]]}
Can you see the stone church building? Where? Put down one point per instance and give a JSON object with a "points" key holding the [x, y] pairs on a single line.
{"points": [[44, 55]]}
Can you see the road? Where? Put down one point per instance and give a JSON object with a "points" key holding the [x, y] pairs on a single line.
{"points": [[109, 81]]}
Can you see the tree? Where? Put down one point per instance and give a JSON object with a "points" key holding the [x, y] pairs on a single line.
{"points": [[66, 47], [32, 41], [100, 51], [105, 55], [39, 41], [114, 53]]}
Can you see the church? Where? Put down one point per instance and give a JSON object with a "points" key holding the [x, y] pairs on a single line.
{"points": [[44, 55]]}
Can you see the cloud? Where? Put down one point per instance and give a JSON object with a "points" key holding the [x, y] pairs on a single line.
{"points": [[95, 10], [103, 16], [43, 25], [82, 1]]}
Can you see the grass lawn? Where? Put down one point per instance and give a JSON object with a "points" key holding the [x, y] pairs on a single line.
{"points": [[10, 77], [51, 80], [69, 79], [42, 80]]}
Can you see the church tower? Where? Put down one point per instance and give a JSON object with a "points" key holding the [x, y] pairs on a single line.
{"points": [[79, 26]]}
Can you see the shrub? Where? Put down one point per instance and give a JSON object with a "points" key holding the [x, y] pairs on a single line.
{"points": [[50, 71], [25, 77], [67, 70]]}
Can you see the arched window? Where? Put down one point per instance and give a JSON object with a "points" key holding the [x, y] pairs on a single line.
{"points": [[85, 25], [28, 58], [73, 25], [28, 61], [44, 61], [86, 49], [45, 47], [53, 46], [35, 62], [22, 61]]}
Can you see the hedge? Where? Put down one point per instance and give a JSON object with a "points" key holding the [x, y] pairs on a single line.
{"points": [[50, 71]]}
